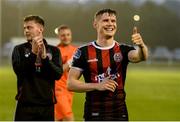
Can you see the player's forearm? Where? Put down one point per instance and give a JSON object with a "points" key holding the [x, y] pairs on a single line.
{"points": [[78, 86], [143, 52]]}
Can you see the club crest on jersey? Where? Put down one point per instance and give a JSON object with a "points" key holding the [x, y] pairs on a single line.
{"points": [[118, 57], [49, 55], [27, 53], [77, 55]]}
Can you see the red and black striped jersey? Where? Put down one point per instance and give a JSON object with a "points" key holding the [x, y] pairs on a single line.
{"points": [[98, 63]]}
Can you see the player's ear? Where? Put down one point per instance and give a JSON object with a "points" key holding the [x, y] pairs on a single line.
{"points": [[41, 29], [95, 24]]}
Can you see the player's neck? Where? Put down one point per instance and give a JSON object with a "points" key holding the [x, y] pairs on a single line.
{"points": [[104, 42], [64, 45]]}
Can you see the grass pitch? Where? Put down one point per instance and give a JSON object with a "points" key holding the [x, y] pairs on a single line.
{"points": [[152, 94]]}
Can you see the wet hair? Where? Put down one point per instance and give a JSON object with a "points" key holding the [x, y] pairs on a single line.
{"points": [[106, 10], [35, 18]]}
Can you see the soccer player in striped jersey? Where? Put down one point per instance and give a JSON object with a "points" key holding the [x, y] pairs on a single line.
{"points": [[103, 63]]}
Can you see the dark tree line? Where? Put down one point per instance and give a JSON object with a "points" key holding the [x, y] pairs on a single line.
{"points": [[158, 25]]}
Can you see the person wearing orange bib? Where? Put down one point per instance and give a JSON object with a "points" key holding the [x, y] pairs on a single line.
{"points": [[63, 107]]}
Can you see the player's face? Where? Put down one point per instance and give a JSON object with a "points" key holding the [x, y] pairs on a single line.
{"points": [[32, 29], [65, 36], [106, 25]]}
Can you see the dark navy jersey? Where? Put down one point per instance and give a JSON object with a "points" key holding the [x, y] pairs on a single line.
{"points": [[98, 63]]}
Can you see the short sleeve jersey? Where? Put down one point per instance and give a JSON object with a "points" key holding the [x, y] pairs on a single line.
{"points": [[97, 63]]}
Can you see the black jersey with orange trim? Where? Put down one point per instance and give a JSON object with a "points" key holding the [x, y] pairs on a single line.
{"points": [[96, 64]]}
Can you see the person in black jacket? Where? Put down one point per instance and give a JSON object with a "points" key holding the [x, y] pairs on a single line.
{"points": [[37, 65]]}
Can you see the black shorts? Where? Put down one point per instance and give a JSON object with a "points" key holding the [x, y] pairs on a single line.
{"points": [[26, 112], [115, 114]]}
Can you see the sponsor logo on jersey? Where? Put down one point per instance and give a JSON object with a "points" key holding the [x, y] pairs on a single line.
{"points": [[107, 75]]}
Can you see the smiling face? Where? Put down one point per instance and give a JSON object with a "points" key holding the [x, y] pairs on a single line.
{"points": [[105, 25], [65, 35]]}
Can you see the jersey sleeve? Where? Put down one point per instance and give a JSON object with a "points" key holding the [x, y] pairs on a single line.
{"points": [[78, 60], [125, 50]]}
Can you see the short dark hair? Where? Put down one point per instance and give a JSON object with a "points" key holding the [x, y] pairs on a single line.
{"points": [[35, 18], [106, 10]]}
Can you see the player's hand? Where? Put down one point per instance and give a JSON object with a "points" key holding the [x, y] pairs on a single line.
{"points": [[37, 43], [69, 62], [38, 46], [136, 38], [43, 51], [107, 85]]}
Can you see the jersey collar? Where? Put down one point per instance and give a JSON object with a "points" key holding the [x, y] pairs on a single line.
{"points": [[103, 48]]}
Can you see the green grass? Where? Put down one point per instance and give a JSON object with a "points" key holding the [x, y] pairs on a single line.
{"points": [[152, 94]]}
